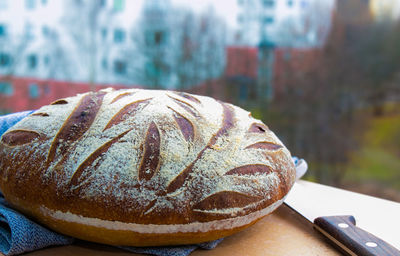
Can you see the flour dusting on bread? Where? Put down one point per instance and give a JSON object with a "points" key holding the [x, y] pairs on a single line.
{"points": [[145, 157]]}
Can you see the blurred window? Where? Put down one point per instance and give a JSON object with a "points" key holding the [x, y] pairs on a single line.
{"points": [[159, 37], [46, 60], [304, 3], [240, 18], [119, 35], [44, 2], [268, 3], [46, 89], [34, 91], [268, 20], [119, 5], [243, 92], [29, 31], [287, 56], [5, 59], [152, 70], [104, 63], [104, 33], [3, 4], [240, 2], [2, 30], [6, 88], [149, 37], [290, 3], [30, 4], [32, 61], [103, 3], [155, 37], [45, 30], [119, 67]]}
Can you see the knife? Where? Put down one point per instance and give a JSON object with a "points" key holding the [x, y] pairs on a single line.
{"points": [[334, 212]]}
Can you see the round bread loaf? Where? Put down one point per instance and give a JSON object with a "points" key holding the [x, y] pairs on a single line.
{"points": [[144, 167]]}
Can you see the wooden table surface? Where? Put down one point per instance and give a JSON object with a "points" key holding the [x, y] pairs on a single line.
{"points": [[281, 233]]}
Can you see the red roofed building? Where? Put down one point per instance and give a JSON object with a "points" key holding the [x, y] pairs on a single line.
{"points": [[214, 88], [291, 65], [241, 61], [19, 94], [239, 81], [238, 85], [241, 74]]}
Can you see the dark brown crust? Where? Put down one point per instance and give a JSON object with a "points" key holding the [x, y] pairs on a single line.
{"points": [[188, 96], [82, 171], [227, 123], [129, 238], [265, 145], [128, 110], [189, 108], [251, 169], [258, 128], [185, 126], [28, 182], [226, 199], [122, 95], [59, 102], [76, 125], [151, 155], [40, 114], [20, 137]]}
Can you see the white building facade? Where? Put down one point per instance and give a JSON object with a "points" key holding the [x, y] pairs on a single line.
{"points": [[143, 42]]}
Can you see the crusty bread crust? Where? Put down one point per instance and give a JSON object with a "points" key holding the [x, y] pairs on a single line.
{"points": [[165, 167]]}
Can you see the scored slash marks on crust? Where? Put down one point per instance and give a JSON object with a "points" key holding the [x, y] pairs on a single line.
{"points": [[250, 169], [187, 96], [227, 123], [265, 145], [258, 128], [233, 199], [122, 95], [40, 114], [225, 200], [76, 124], [129, 109], [59, 102], [80, 171], [151, 155], [189, 108], [20, 137], [185, 125]]}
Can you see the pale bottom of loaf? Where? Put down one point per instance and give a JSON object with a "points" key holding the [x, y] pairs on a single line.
{"points": [[132, 234]]}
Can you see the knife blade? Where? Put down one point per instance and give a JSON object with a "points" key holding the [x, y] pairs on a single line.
{"points": [[333, 213]]}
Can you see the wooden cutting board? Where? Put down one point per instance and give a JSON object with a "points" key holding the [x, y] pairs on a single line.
{"points": [[281, 233]]}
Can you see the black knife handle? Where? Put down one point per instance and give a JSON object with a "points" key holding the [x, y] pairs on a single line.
{"points": [[342, 231]]}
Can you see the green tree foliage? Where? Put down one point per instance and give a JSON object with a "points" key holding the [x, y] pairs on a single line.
{"points": [[321, 112]]}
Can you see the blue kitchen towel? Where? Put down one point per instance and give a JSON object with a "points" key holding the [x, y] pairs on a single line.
{"points": [[183, 250], [19, 234], [9, 120]]}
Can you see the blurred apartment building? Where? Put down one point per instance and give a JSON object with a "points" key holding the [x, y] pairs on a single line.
{"points": [[152, 43], [283, 22], [50, 39]]}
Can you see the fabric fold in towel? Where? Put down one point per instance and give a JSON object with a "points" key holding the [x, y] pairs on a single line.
{"points": [[19, 234], [183, 250]]}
